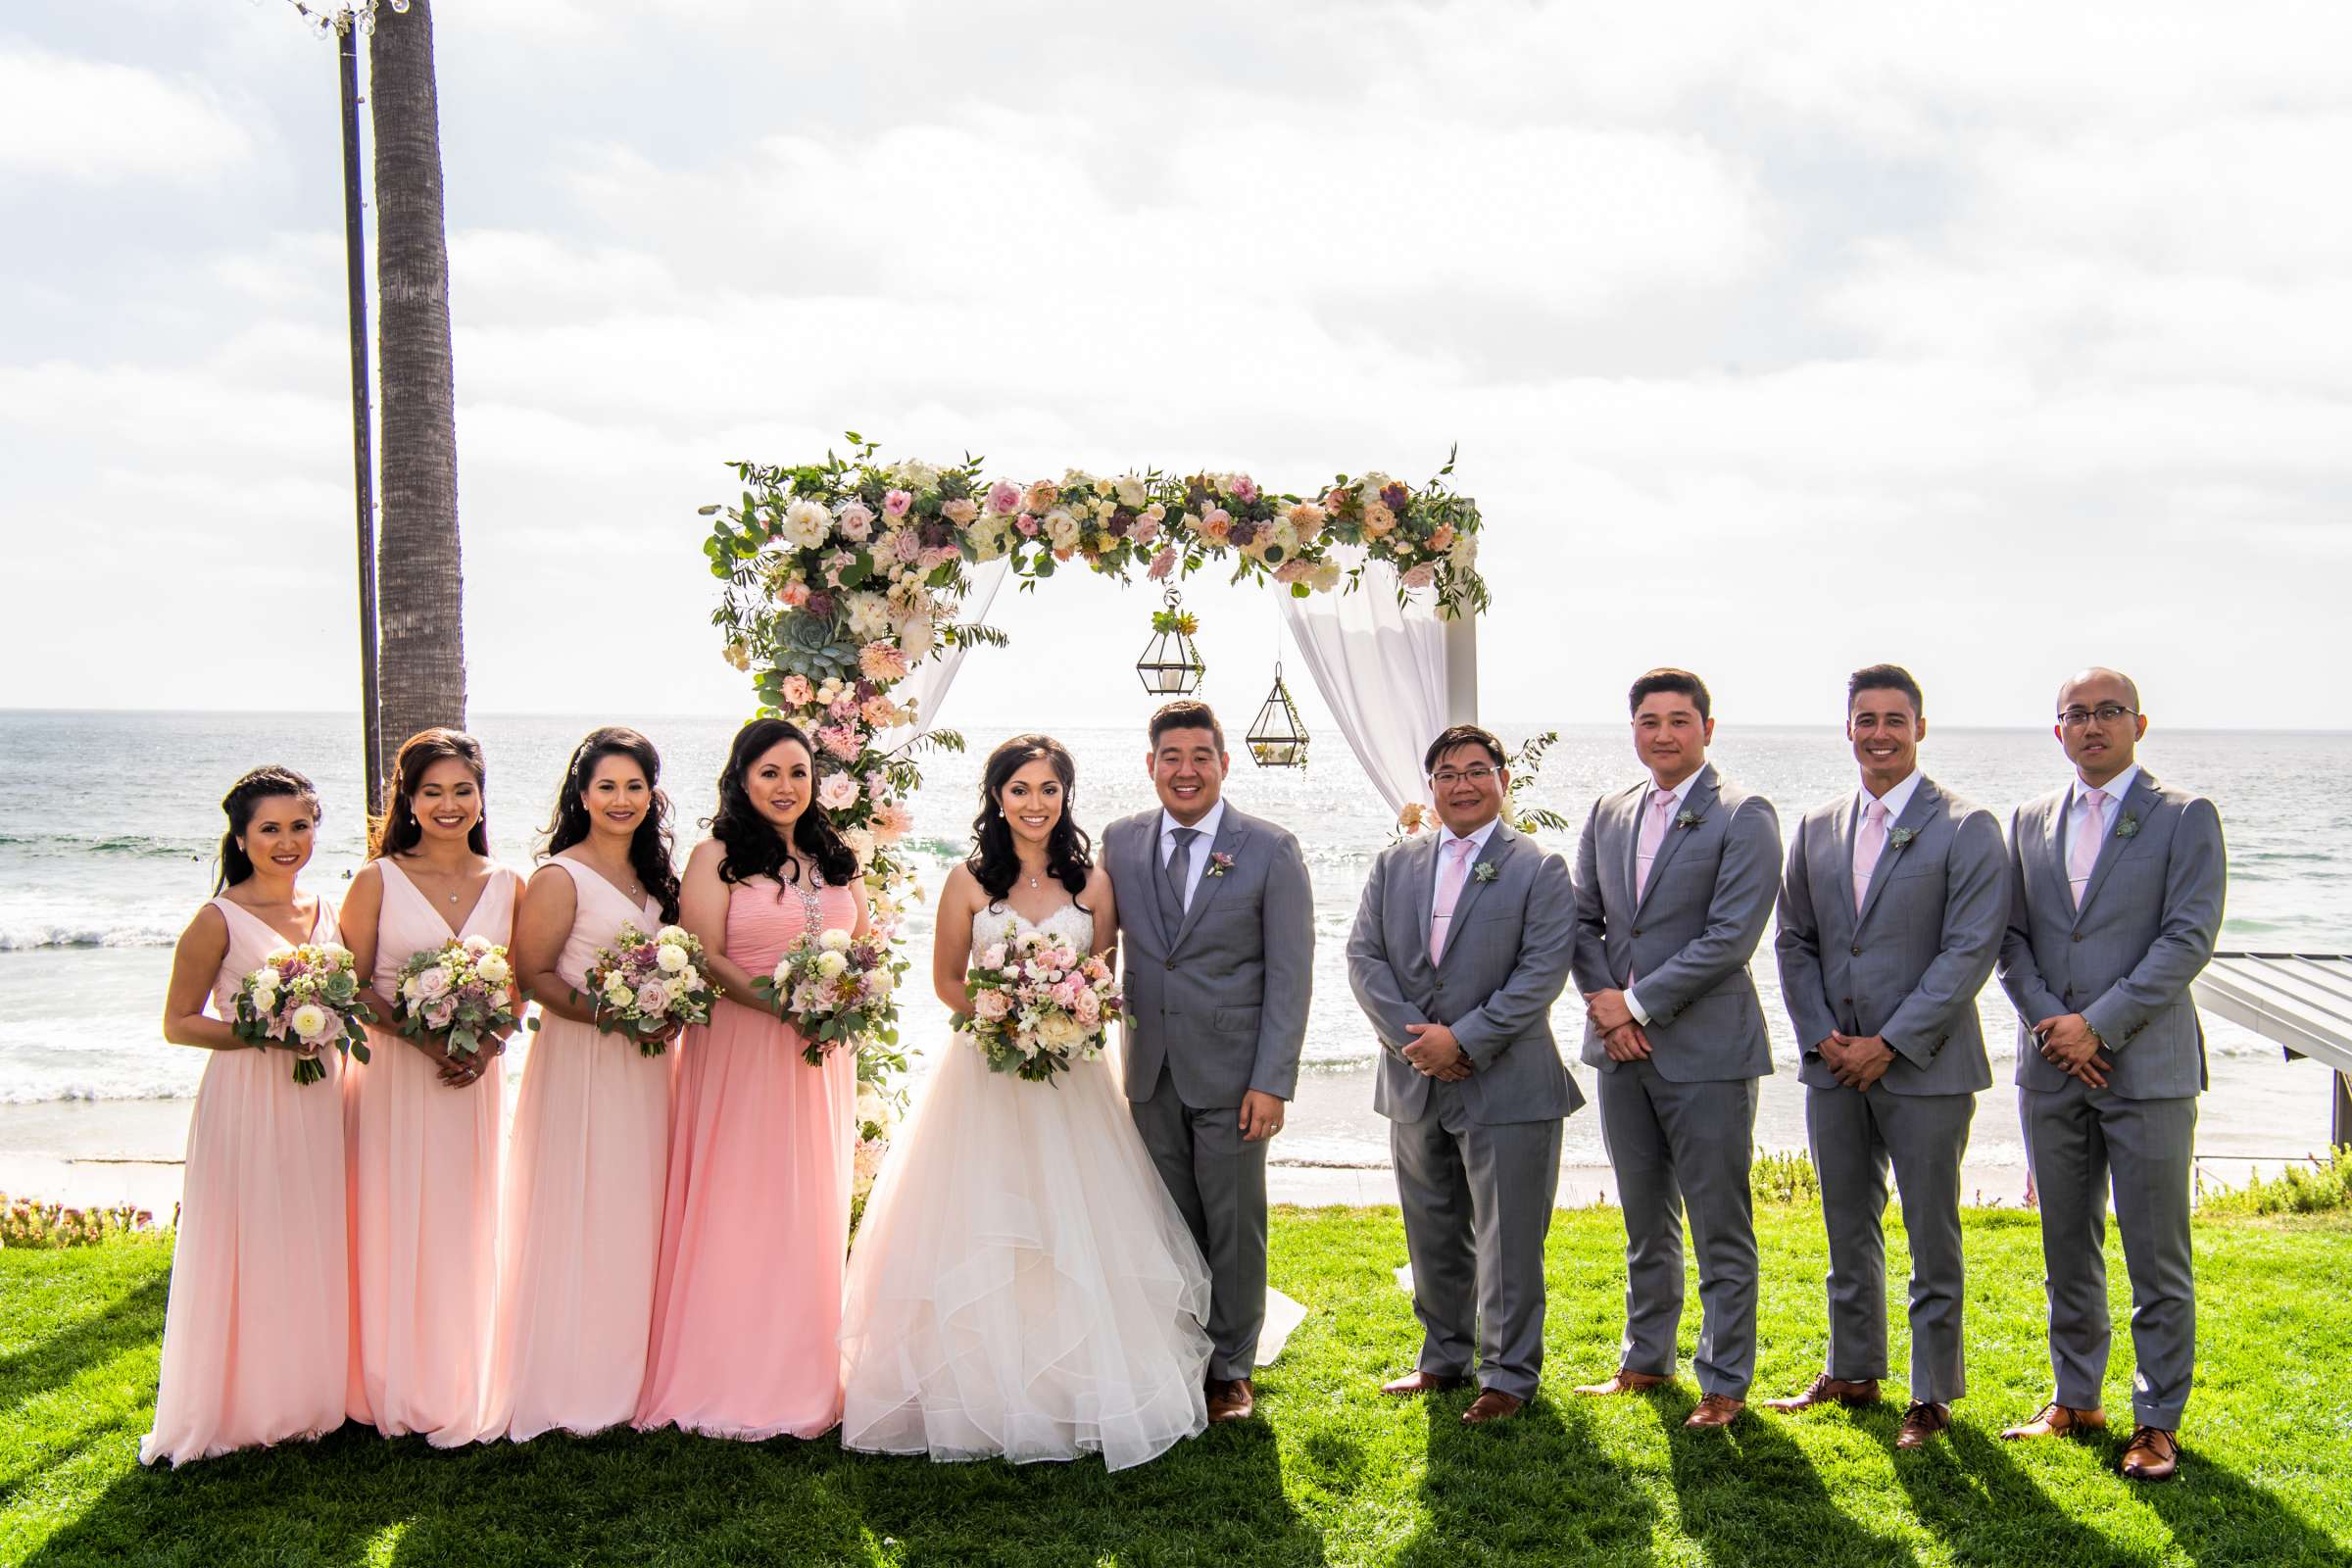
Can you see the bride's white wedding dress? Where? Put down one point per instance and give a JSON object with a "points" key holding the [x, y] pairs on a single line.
{"points": [[1022, 1286]]}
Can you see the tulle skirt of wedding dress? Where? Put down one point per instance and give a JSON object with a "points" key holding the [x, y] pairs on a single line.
{"points": [[1022, 1286]]}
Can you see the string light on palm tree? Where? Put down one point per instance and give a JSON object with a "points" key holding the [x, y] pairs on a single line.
{"points": [[1277, 737], [1172, 666]]}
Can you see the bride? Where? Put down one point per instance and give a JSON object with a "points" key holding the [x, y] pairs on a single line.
{"points": [[1022, 1285]]}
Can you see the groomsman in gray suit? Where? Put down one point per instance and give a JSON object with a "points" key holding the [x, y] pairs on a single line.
{"points": [[2114, 904], [1892, 914], [1218, 922], [1461, 945], [1675, 880]]}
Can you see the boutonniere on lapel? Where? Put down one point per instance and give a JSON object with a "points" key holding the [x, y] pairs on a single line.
{"points": [[1901, 838], [1483, 871], [2129, 827], [1688, 818], [1220, 863]]}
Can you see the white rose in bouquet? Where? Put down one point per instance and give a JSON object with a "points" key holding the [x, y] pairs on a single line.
{"points": [[834, 940], [494, 969], [830, 964], [1058, 1031], [670, 934], [309, 1022], [671, 958], [432, 982]]}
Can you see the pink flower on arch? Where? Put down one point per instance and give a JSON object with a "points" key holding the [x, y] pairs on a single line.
{"points": [[1245, 488], [797, 693], [1420, 576], [1004, 498], [882, 661], [896, 504], [1027, 525], [1162, 564], [793, 595], [856, 519]]}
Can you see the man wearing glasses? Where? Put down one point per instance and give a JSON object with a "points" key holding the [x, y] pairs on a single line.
{"points": [[2116, 888], [1461, 947]]}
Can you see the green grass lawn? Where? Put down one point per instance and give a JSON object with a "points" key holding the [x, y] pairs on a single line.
{"points": [[1332, 1472]]}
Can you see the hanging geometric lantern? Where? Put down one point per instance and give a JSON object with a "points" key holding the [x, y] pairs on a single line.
{"points": [[1172, 666], [1277, 738]]}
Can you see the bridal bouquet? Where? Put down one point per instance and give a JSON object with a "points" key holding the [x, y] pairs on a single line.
{"points": [[641, 984], [1038, 1005], [307, 998], [834, 989], [462, 989]]}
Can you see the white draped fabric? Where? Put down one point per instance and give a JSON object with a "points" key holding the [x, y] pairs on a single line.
{"points": [[926, 685], [1380, 668]]}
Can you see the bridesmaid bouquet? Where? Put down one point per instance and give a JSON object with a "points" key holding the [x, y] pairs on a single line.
{"points": [[641, 984], [1038, 1005], [307, 998], [834, 989], [463, 988]]}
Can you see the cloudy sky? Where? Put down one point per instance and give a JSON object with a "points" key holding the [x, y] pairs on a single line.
{"points": [[1994, 339]]}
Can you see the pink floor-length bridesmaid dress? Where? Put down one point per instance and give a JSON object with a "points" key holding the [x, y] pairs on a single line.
{"points": [[583, 1217], [755, 1224], [422, 1158], [257, 1329]]}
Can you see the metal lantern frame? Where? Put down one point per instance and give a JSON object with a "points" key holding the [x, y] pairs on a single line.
{"points": [[1278, 737], [1172, 666]]}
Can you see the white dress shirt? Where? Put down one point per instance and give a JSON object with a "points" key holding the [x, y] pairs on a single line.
{"points": [[2078, 817], [1208, 828], [1682, 795], [1897, 800]]}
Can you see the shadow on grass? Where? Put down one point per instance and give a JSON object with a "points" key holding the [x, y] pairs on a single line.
{"points": [[1977, 1494], [1536, 1487], [668, 1499], [1748, 1495], [132, 1322]]}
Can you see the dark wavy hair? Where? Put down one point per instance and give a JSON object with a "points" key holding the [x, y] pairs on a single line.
{"points": [[1069, 853], [247, 794], [649, 845], [754, 848], [398, 831]]}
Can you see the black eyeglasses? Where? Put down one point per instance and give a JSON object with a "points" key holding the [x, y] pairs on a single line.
{"points": [[1446, 778], [2105, 713]]}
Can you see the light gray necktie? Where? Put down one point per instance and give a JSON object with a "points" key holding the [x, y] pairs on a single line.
{"points": [[1177, 871]]}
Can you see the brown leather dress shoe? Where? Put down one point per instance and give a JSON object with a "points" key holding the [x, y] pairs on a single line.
{"points": [[1626, 1381], [1827, 1390], [1715, 1410], [2055, 1420], [1922, 1421], [2154, 1454], [1413, 1382], [1230, 1400], [1491, 1405]]}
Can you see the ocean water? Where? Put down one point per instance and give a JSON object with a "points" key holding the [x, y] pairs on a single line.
{"points": [[108, 824]]}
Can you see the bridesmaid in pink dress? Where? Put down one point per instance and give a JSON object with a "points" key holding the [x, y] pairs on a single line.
{"points": [[257, 1325], [755, 1224], [421, 1126], [582, 1218]]}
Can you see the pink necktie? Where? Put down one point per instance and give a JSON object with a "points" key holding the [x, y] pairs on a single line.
{"points": [[1449, 893], [1869, 845], [1654, 834], [2083, 853]]}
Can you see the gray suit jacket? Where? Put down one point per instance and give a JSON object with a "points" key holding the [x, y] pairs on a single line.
{"points": [[1690, 933], [1505, 960], [2151, 914], [1906, 967], [1221, 1001]]}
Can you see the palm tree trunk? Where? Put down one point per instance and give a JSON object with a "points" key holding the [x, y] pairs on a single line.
{"points": [[419, 577]]}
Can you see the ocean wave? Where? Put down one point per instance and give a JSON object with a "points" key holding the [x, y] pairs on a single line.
{"points": [[90, 1093], [33, 935], [128, 846]]}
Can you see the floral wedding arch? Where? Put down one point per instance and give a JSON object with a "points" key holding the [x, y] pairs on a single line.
{"points": [[845, 578]]}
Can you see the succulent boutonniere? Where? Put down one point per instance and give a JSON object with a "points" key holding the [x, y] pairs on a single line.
{"points": [[1484, 870], [1901, 836], [2129, 827], [1220, 863], [1688, 818]]}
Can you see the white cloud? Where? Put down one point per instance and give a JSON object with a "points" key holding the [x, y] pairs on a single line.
{"points": [[94, 121]]}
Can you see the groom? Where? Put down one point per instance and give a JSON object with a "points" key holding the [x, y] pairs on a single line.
{"points": [[1217, 919], [1461, 945]]}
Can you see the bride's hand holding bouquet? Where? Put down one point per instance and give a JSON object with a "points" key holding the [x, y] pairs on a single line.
{"points": [[457, 1001], [1038, 1006]]}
